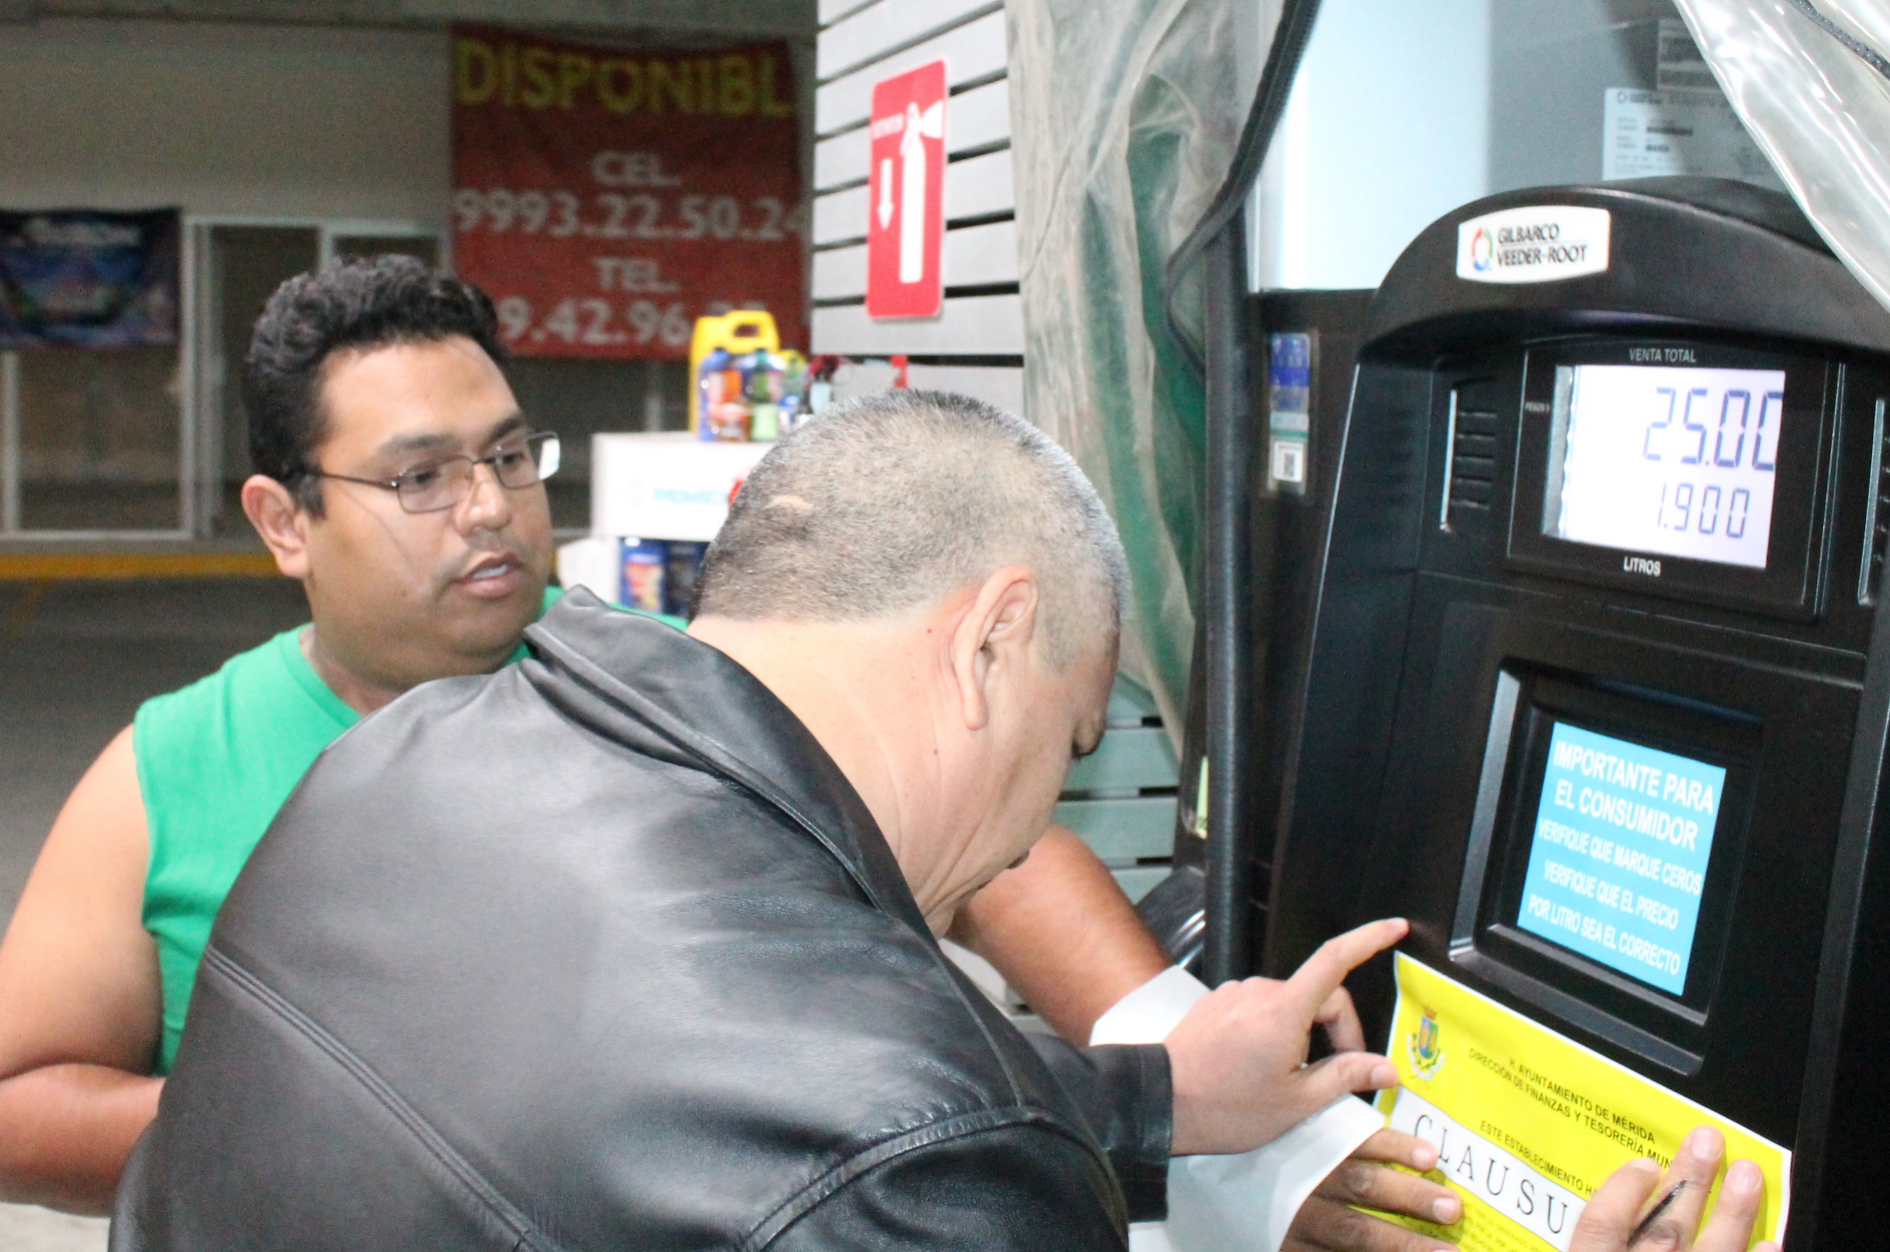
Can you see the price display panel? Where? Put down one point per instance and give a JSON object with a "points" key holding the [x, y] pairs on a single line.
{"points": [[1679, 461], [1687, 471]]}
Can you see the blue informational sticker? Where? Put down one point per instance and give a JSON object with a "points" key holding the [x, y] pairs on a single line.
{"points": [[1289, 381], [1618, 862]]}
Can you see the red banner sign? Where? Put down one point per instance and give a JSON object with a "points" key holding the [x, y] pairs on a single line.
{"points": [[607, 198], [905, 231]]}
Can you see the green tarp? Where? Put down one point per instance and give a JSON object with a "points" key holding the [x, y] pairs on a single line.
{"points": [[1124, 120]]}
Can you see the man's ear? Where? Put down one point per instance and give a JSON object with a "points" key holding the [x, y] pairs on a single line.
{"points": [[281, 521], [992, 640]]}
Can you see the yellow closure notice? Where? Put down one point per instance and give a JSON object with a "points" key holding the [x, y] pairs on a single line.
{"points": [[1527, 1123]]}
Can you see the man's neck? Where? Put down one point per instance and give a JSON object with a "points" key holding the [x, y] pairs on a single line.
{"points": [[363, 695], [841, 705]]}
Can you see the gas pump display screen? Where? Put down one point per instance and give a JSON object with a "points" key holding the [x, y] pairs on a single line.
{"points": [[1617, 861], [1672, 460]]}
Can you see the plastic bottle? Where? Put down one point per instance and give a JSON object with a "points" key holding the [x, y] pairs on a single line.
{"points": [[762, 383], [731, 335], [645, 566], [709, 384]]}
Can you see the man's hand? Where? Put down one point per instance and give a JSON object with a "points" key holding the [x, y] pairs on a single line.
{"points": [[1238, 1057], [1620, 1204], [1327, 1222]]}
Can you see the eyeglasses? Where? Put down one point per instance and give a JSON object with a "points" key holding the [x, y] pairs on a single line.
{"points": [[443, 483]]}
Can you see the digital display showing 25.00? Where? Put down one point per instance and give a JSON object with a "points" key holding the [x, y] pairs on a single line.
{"points": [[1661, 459]]}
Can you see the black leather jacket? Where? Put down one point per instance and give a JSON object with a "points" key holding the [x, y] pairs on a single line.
{"points": [[603, 952]]}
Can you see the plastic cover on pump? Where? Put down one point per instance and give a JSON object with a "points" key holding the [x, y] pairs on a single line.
{"points": [[1811, 82], [1125, 118]]}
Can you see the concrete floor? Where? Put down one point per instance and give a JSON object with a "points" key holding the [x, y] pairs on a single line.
{"points": [[76, 660]]}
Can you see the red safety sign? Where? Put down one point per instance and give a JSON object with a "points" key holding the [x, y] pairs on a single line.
{"points": [[905, 234], [606, 197]]}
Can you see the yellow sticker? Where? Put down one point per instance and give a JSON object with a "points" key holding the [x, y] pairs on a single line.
{"points": [[1527, 1123]]}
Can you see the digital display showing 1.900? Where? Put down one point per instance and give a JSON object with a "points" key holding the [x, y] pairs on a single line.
{"points": [[1659, 459]]}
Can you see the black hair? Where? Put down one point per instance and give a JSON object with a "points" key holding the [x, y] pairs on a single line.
{"points": [[350, 303]]}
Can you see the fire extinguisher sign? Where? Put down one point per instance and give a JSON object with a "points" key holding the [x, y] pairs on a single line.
{"points": [[905, 233]]}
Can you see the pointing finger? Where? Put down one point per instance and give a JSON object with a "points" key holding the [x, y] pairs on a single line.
{"points": [[1315, 981]]}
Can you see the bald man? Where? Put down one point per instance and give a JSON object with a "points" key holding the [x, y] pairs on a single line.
{"points": [[633, 944]]}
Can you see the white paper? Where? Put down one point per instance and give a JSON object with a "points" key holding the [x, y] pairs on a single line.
{"points": [[1148, 1013], [593, 562], [1684, 130], [1679, 63], [1231, 1203]]}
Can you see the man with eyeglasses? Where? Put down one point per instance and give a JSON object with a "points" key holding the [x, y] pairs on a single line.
{"points": [[398, 481]]}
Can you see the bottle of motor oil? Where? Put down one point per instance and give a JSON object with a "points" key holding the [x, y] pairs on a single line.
{"points": [[717, 343]]}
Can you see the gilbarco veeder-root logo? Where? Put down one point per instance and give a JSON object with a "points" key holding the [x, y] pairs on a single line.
{"points": [[1537, 244], [1481, 250]]}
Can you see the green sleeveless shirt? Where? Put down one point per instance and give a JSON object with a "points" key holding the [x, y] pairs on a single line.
{"points": [[215, 761]]}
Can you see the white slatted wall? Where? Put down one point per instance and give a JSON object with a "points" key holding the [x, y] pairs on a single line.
{"points": [[977, 345], [1122, 799]]}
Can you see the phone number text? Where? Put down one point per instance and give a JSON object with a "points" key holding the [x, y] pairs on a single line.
{"points": [[596, 322], [617, 215]]}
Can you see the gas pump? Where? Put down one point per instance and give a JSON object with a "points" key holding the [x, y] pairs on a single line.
{"points": [[1596, 690]]}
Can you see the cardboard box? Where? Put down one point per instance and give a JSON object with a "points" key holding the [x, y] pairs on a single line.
{"points": [[665, 486]]}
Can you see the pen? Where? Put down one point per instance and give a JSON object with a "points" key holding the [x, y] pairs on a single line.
{"points": [[1647, 1223]]}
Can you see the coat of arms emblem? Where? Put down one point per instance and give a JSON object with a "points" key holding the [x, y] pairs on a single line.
{"points": [[1425, 1044]]}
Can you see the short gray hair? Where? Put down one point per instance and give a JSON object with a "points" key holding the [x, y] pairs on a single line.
{"points": [[895, 500]]}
